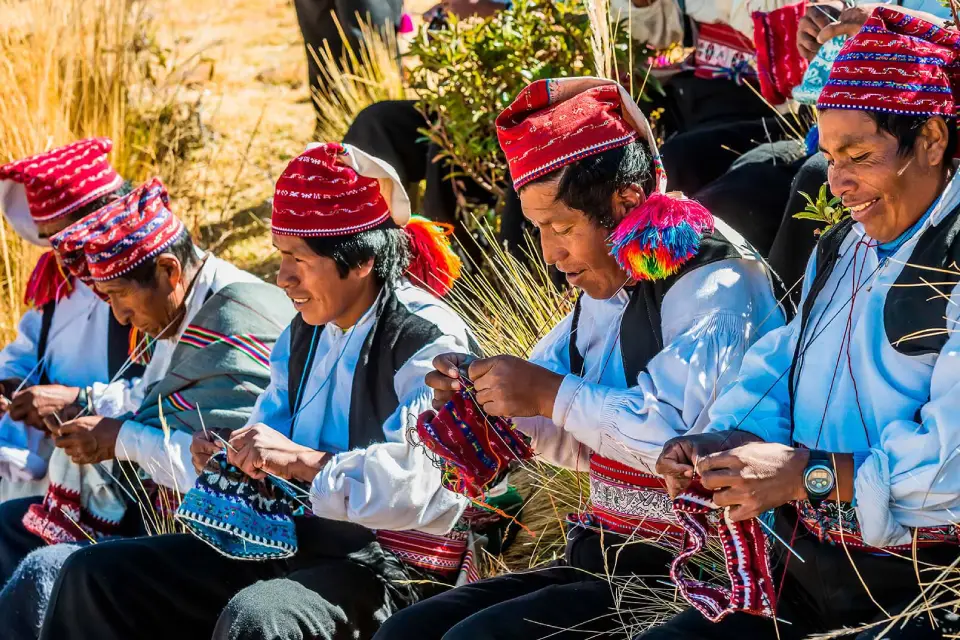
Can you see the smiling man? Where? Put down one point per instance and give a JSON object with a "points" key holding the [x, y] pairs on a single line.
{"points": [[347, 382], [847, 418], [659, 329]]}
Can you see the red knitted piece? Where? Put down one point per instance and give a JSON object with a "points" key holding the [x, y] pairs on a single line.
{"points": [[60, 181], [62, 518], [722, 52], [474, 448], [745, 550], [780, 66], [896, 64], [318, 196], [538, 136]]}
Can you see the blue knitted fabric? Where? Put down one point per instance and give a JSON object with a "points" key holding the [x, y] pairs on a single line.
{"points": [[240, 517]]}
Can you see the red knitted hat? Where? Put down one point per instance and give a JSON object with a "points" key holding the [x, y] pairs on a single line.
{"points": [[60, 181], [321, 193], [125, 233], [896, 64], [553, 123]]}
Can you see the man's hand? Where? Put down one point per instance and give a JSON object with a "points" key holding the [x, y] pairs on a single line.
{"points": [[755, 477], [445, 378], [851, 20], [258, 450], [33, 404], [511, 387], [88, 439], [202, 447], [680, 456], [817, 17]]}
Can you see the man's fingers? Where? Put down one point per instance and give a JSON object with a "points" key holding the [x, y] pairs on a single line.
{"points": [[734, 496], [719, 460], [667, 467], [719, 479], [675, 485], [441, 382], [840, 29], [479, 368], [807, 45], [449, 363]]}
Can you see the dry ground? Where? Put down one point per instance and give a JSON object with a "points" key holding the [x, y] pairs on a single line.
{"points": [[257, 106]]}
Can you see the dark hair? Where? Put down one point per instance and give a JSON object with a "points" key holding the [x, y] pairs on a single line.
{"points": [[389, 248], [183, 249], [101, 202], [589, 184], [906, 129]]}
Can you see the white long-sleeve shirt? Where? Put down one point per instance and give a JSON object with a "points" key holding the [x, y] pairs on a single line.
{"points": [[166, 457], [390, 485], [860, 395], [76, 356], [710, 317]]}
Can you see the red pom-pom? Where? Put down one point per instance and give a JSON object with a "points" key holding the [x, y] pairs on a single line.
{"points": [[433, 264]]}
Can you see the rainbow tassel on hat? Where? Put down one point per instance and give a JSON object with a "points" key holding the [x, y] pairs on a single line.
{"points": [[659, 236], [433, 264]]}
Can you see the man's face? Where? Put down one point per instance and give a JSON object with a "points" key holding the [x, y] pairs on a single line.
{"points": [[885, 191], [151, 308], [313, 283], [572, 242]]}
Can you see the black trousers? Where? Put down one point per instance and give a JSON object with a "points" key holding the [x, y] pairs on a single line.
{"points": [[825, 593], [563, 602], [317, 26], [340, 585], [15, 541]]}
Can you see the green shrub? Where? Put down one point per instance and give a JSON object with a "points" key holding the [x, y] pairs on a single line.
{"points": [[469, 72]]}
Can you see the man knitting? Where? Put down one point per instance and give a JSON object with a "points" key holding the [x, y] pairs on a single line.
{"points": [[347, 383], [658, 330], [68, 346], [845, 420], [209, 328]]}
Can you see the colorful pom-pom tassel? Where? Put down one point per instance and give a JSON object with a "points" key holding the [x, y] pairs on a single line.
{"points": [[654, 240], [47, 282], [433, 264], [406, 24]]}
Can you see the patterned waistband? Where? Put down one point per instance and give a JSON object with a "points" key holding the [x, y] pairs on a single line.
{"points": [[627, 501], [836, 523], [441, 555], [722, 51]]}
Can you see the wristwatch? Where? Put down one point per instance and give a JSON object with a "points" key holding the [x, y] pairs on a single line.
{"points": [[819, 478]]}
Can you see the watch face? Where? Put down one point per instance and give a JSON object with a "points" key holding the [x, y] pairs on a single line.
{"points": [[819, 480]]}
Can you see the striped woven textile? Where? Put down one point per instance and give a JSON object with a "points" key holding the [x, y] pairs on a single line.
{"points": [[199, 337]]}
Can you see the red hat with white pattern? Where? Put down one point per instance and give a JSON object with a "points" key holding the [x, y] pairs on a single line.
{"points": [[62, 180]]}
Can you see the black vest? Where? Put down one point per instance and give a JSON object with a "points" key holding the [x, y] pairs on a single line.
{"points": [[118, 345], [397, 335], [910, 305], [641, 330]]}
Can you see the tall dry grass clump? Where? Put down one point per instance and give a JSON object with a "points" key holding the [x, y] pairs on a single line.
{"points": [[76, 68]]}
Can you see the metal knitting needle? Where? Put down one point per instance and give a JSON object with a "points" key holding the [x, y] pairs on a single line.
{"points": [[780, 540], [270, 475]]}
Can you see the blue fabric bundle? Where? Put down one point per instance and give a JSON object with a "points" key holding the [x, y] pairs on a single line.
{"points": [[240, 517]]}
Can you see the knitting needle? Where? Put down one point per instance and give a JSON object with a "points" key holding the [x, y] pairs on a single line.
{"points": [[824, 12], [780, 540], [274, 477]]}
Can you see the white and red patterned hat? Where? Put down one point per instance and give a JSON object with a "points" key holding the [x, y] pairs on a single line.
{"points": [[122, 235], [337, 190], [62, 180]]}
